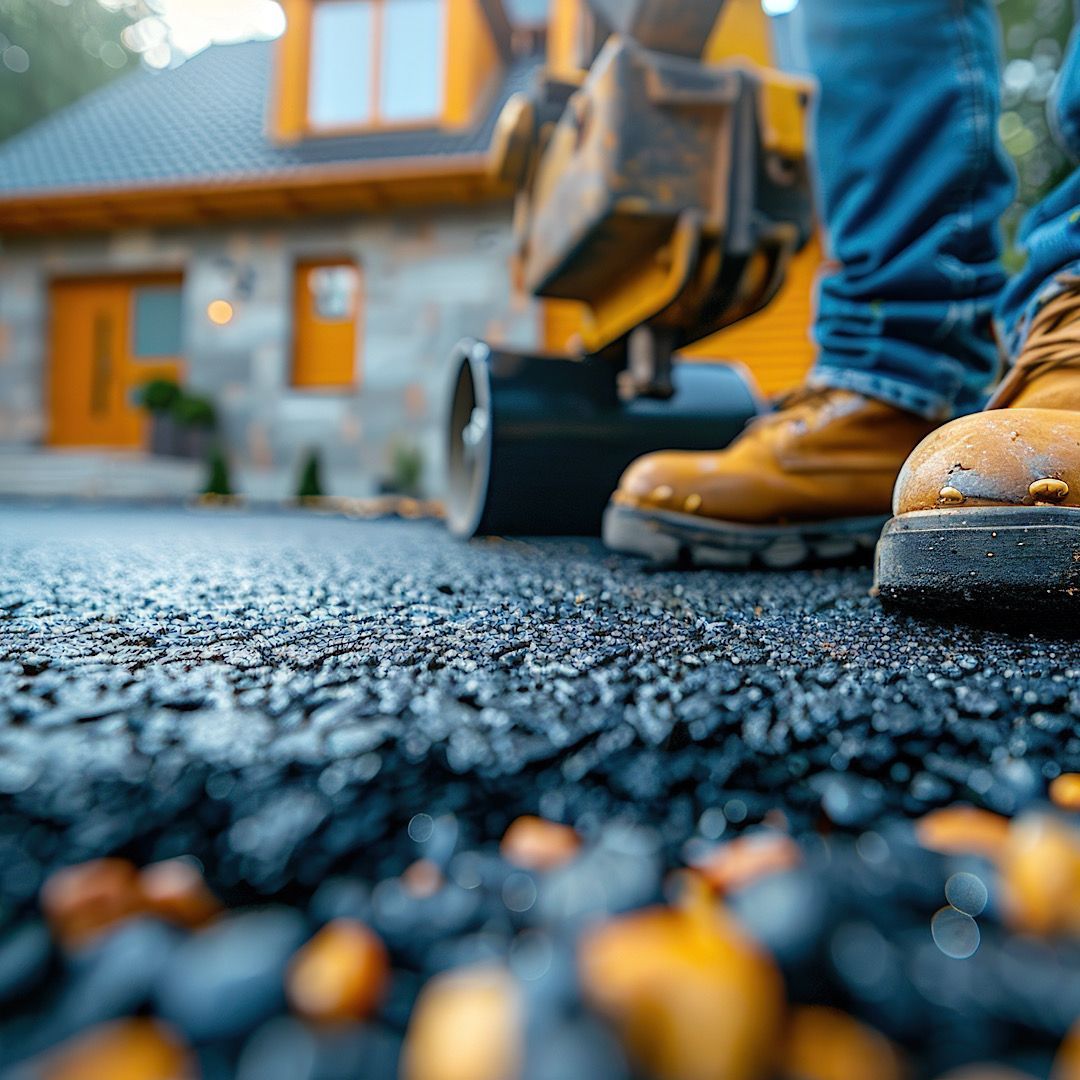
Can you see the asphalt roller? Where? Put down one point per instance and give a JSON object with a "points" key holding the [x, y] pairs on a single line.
{"points": [[666, 196]]}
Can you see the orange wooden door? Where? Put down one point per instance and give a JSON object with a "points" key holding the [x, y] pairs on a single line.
{"points": [[106, 338], [326, 312]]}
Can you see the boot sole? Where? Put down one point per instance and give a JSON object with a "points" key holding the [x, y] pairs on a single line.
{"points": [[987, 561], [671, 539]]}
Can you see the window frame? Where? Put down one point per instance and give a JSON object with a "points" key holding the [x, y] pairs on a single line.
{"points": [[376, 122]]}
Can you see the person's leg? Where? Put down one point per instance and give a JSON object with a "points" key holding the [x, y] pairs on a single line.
{"points": [[913, 181], [988, 507], [912, 184], [1050, 234]]}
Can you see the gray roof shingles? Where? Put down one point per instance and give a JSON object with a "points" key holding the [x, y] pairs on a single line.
{"points": [[204, 121]]}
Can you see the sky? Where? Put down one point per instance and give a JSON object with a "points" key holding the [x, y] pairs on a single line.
{"points": [[174, 29]]}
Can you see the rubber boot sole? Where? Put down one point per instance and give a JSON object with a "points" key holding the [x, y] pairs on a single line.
{"points": [[672, 539], [984, 562]]}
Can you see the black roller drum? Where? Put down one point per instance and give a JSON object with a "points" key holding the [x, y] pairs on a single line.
{"points": [[536, 444]]}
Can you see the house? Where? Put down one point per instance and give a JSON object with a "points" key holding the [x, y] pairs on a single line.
{"points": [[298, 229]]}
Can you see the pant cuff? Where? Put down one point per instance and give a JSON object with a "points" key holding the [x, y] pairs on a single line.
{"points": [[1014, 338], [896, 392]]}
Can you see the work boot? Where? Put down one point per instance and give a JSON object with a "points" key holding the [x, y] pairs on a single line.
{"points": [[811, 480], [987, 509]]}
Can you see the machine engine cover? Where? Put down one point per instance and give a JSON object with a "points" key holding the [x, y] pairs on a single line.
{"points": [[663, 181], [680, 29]]}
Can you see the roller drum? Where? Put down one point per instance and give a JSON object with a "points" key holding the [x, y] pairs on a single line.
{"points": [[536, 444]]}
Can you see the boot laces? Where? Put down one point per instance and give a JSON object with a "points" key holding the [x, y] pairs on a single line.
{"points": [[799, 403], [1053, 341]]}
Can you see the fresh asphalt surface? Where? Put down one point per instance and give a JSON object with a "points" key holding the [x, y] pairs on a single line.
{"points": [[280, 694]]}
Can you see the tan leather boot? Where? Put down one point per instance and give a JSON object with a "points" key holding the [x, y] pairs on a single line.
{"points": [[811, 480], [988, 507]]}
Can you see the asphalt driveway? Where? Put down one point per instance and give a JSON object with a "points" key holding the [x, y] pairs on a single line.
{"points": [[285, 697]]}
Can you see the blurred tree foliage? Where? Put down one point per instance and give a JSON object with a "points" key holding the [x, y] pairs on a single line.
{"points": [[1036, 33], [54, 51]]}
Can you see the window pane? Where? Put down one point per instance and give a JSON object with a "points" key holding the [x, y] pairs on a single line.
{"points": [[341, 55], [158, 321], [333, 292], [412, 60]]}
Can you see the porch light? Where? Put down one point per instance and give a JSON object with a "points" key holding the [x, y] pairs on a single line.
{"points": [[220, 312]]}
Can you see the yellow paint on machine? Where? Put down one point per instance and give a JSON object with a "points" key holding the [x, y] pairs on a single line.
{"points": [[774, 344]]}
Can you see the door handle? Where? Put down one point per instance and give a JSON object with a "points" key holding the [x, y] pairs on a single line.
{"points": [[101, 371]]}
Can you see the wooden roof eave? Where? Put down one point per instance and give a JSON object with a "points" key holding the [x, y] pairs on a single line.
{"points": [[352, 188]]}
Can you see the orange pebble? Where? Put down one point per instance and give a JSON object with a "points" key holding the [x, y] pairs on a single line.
{"points": [[986, 1072], [340, 974], [741, 862], [1065, 791], [81, 901], [467, 1025], [691, 996], [535, 843], [1067, 1062], [422, 879], [825, 1044], [175, 890], [123, 1050], [1040, 872], [963, 830]]}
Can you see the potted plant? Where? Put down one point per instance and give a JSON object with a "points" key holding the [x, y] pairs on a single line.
{"points": [[181, 424], [196, 419], [157, 397]]}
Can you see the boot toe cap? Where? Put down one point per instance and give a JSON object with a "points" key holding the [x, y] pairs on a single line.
{"points": [[1006, 457], [660, 481]]}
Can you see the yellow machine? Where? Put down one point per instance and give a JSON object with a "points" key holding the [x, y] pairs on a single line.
{"points": [[664, 194]]}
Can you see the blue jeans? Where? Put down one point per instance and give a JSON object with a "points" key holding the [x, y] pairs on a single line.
{"points": [[913, 182]]}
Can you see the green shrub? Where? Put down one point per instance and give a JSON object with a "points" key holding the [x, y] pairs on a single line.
{"points": [[159, 395], [310, 483], [407, 468], [190, 410], [217, 479]]}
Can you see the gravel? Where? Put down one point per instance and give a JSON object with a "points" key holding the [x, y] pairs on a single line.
{"points": [[307, 705]]}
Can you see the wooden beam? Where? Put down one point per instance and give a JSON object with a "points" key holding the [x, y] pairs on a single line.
{"points": [[381, 185]]}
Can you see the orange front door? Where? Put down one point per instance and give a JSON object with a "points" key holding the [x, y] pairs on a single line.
{"points": [[108, 336], [326, 305]]}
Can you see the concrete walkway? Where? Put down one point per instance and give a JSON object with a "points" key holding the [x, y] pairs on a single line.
{"points": [[132, 475]]}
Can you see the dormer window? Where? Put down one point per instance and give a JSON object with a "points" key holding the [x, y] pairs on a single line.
{"points": [[376, 63]]}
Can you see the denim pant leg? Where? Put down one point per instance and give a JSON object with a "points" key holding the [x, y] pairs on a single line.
{"points": [[913, 181], [1051, 231]]}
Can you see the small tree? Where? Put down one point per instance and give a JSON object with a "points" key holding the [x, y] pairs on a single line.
{"points": [[217, 480], [310, 484], [407, 468]]}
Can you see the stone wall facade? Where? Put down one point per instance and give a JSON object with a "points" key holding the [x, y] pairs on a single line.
{"points": [[429, 278]]}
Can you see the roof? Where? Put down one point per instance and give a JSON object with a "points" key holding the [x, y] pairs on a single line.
{"points": [[205, 121]]}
